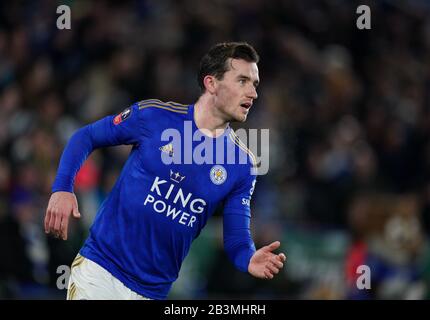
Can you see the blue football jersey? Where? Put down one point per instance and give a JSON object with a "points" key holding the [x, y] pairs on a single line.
{"points": [[169, 187]]}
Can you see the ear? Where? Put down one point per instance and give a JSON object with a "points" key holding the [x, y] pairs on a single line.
{"points": [[210, 83]]}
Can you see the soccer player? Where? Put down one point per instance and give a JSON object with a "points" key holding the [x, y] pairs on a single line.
{"points": [[145, 227]]}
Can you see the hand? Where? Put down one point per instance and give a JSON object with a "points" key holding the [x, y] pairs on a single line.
{"points": [[60, 206], [264, 264]]}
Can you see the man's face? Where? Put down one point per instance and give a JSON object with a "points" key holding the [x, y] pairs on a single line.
{"points": [[237, 90]]}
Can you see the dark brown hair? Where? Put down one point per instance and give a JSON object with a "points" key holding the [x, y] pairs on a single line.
{"points": [[214, 62]]}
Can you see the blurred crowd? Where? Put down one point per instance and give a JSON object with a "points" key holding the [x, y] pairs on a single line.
{"points": [[349, 118]]}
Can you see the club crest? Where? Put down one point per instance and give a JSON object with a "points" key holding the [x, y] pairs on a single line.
{"points": [[218, 174]]}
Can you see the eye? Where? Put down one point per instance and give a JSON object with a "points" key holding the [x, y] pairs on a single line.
{"points": [[242, 81]]}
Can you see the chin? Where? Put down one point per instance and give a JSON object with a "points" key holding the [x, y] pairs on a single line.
{"points": [[240, 118]]}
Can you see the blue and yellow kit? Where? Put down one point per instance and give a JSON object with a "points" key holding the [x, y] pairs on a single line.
{"points": [[145, 227]]}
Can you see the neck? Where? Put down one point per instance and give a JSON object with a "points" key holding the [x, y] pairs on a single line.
{"points": [[208, 118]]}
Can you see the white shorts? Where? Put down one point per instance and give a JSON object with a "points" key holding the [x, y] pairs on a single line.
{"points": [[89, 281]]}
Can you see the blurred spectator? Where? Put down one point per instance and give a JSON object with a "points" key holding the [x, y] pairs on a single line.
{"points": [[389, 240]]}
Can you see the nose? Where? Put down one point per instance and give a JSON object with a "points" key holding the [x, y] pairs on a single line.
{"points": [[252, 93]]}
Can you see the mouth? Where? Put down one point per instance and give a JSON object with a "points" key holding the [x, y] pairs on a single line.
{"points": [[246, 105]]}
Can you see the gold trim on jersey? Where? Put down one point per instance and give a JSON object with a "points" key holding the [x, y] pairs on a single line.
{"points": [[170, 106], [173, 104], [241, 145]]}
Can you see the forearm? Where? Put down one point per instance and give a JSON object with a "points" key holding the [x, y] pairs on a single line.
{"points": [[75, 153], [238, 242]]}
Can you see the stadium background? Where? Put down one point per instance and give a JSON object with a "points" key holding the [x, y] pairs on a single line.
{"points": [[348, 113]]}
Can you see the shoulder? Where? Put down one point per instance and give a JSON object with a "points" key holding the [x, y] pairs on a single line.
{"points": [[247, 159], [157, 107]]}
